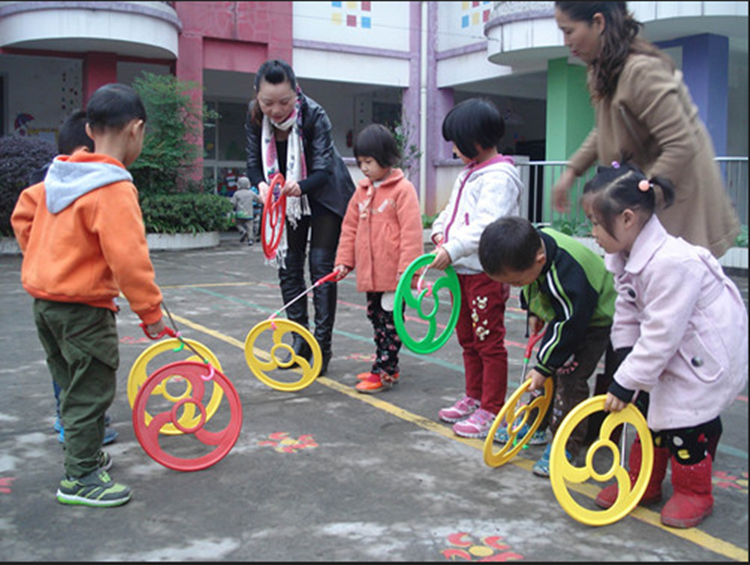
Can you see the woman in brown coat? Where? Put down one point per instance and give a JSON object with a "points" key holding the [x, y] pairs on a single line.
{"points": [[645, 115]]}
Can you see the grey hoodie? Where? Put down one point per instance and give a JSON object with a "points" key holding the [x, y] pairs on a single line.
{"points": [[66, 182]]}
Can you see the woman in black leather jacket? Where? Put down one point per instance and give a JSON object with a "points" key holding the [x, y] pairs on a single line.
{"points": [[289, 133]]}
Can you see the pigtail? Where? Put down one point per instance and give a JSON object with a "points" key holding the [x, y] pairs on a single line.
{"points": [[667, 189]]}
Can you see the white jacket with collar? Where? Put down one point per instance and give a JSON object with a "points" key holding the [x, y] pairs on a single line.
{"points": [[687, 324], [481, 194]]}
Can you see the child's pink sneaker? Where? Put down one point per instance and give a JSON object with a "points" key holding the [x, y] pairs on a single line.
{"points": [[476, 425], [460, 410]]}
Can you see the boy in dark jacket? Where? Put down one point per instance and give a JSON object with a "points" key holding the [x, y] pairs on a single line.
{"points": [[565, 285]]}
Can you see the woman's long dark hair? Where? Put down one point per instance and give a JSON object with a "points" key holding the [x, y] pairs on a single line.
{"points": [[620, 39], [273, 71]]}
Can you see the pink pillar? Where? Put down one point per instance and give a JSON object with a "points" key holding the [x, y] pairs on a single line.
{"points": [[98, 69], [189, 67]]}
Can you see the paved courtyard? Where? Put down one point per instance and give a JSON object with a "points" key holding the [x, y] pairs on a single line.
{"points": [[319, 474]]}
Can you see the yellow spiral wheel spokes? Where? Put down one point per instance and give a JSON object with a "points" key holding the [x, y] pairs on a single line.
{"points": [[167, 388], [139, 373], [278, 350], [562, 470], [515, 415]]}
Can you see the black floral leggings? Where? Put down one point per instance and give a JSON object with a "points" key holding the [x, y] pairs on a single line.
{"points": [[387, 342]]}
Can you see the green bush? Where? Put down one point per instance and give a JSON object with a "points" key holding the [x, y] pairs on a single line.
{"points": [[185, 213], [168, 159], [572, 227], [19, 157], [171, 201], [427, 220], [741, 240]]}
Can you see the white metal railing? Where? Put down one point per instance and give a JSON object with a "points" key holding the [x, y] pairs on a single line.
{"points": [[540, 176], [734, 172]]}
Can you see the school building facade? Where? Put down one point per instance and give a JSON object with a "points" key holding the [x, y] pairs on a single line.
{"points": [[387, 62]]}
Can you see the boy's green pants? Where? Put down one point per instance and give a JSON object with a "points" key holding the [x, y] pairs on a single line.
{"points": [[82, 354]]}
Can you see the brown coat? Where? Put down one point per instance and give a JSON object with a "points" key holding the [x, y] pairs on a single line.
{"points": [[653, 120]]}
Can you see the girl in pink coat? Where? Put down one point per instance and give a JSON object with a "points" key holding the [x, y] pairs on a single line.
{"points": [[381, 235], [680, 326]]}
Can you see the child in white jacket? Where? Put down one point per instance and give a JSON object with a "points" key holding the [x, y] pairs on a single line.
{"points": [[487, 189], [682, 324]]}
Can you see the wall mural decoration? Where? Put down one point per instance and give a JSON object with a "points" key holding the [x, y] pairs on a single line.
{"points": [[352, 14], [475, 13]]}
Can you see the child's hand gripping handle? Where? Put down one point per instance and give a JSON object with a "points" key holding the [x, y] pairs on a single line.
{"points": [[166, 331], [333, 276], [172, 333]]}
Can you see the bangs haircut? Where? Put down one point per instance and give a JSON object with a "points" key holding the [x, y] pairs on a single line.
{"points": [[377, 141], [474, 121], [509, 244], [113, 106]]}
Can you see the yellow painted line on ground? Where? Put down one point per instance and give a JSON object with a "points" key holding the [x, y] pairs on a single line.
{"points": [[213, 333], [693, 535]]}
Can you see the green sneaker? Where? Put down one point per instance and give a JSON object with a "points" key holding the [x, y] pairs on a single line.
{"points": [[95, 489], [105, 461]]}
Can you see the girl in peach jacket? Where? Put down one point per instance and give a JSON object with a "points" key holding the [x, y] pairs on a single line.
{"points": [[381, 236]]}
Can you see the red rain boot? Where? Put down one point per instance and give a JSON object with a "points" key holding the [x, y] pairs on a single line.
{"points": [[608, 496], [692, 500]]}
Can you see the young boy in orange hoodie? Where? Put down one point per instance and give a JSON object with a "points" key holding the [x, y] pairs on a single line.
{"points": [[82, 238], [71, 137]]}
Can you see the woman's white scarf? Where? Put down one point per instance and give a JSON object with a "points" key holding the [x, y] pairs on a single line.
{"points": [[296, 169]]}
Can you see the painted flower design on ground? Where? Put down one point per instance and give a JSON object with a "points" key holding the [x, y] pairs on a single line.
{"points": [[489, 548], [724, 480], [5, 484], [282, 443]]}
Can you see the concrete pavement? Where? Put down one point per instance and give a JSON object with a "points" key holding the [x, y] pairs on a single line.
{"points": [[321, 474]]}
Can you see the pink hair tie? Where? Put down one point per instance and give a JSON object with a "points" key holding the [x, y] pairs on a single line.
{"points": [[644, 185], [615, 165]]}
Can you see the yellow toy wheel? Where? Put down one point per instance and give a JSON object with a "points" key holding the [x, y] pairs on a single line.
{"points": [[139, 373], [515, 415], [562, 470], [262, 367]]}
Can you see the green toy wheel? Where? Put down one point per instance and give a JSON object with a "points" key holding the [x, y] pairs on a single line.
{"points": [[416, 299]]}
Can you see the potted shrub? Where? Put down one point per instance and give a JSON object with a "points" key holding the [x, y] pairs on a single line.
{"points": [[175, 205]]}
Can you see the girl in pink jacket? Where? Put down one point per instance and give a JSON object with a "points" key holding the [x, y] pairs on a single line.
{"points": [[380, 237], [681, 325]]}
